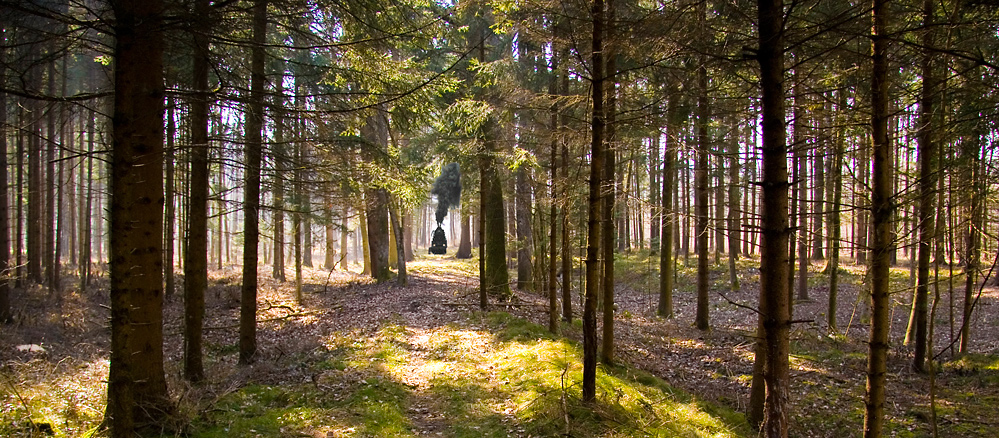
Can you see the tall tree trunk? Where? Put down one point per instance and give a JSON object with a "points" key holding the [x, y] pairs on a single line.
{"points": [[655, 195], [552, 283], [665, 308], [251, 203], [137, 390], [343, 238], [834, 218], [87, 218], [701, 188], [376, 205], [6, 316], [801, 179], [775, 312], [278, 192], [307, 215], [525, 236], [881, 215], [19, 229], [34, 226], [927, 186], [170, 207], [610, 191], [196, 254], [734, 220], [49, 216], [596, 184], [972, 234], [567, 256]]}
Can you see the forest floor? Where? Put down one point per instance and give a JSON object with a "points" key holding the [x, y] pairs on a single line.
{"points": [[357, 358]]}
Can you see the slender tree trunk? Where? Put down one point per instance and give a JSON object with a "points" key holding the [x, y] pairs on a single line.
{"points": [[734, 219], [329, 259], [882, 246], [553, 310], [775, 312], [34, 225], [655, 195], [610, 191], [279, 151], [6, 316], [927, 186], [701, 189], [972, 236], [567, 256], [137, 390], [343, 239], [19, 232], [525, 236], [596, 183], [397, 232], [196, 253], [170, 208], [251, 203], [49, 215], [365, 251], [665, 308], [834, 221]]}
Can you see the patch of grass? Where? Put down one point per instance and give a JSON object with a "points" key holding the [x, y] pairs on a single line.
{"points": [[65, 398], [514, 380]]}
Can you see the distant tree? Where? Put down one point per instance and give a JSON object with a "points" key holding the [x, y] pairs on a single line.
{"points": [[6, 316]]}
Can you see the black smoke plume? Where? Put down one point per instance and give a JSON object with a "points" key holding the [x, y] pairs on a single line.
{"points": [[447, 187]]}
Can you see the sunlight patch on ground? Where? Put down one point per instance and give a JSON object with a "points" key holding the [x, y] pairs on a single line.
{"points": [[69, 397]]}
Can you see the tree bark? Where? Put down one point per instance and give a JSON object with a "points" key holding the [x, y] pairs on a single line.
{"points": [[525, 236], [775, 312], [196, 255], [701, 189], [927, 150], [610, 191], [137, 390], [834, 220], [881, 216], [278, 191], [376, 205], [251, 203], [734, 219], [597, 162], [665, 308], [465, 241], [6, 316]]}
